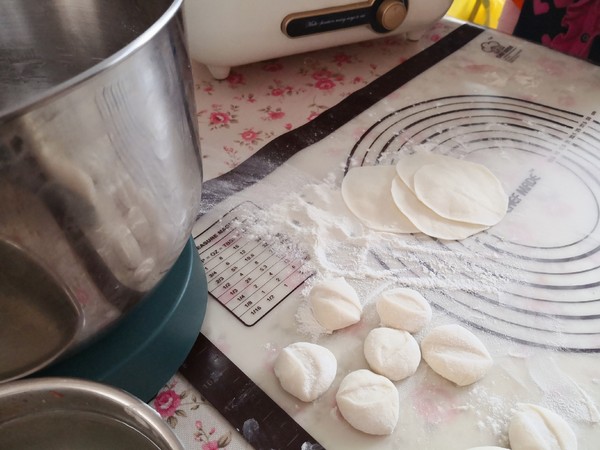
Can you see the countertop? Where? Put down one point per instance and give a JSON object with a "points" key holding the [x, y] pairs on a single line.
{"points": [[261, 102], [239, 115]]}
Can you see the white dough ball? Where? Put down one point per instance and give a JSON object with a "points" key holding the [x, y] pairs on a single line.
{"points": [[404, 309], [305, 370], [335, 304], [369, 402], [537, 428], [392, 353], [456, 354]]}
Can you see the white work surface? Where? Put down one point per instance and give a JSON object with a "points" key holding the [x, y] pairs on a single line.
{"points": [[528, 287]]}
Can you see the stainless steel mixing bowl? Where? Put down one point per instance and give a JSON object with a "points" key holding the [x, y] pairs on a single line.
{"points": [[66, 413], [100, 169]]}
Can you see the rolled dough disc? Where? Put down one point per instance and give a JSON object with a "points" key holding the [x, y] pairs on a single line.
{"points": [[407, 165], [461, 190], [428, 221], [366, 192]]}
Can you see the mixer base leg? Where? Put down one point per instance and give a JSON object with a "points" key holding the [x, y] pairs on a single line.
{"points": [[219, 72], [415, 35]]}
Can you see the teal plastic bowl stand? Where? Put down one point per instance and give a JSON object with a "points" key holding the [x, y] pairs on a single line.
{"points": [[149, 345]]}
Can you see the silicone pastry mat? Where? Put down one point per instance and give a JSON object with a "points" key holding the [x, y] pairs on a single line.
{"points": [[530, 115]]}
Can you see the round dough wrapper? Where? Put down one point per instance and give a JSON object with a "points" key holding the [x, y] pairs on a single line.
{"points": [[366, 192], [395, 354], [428, 221], [535, 427], [335, 304], [461, 190], [456, 354], [407, 165], [305, 370], [369, 402], [404, 309]]}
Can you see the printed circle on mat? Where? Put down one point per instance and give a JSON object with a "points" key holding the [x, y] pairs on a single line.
{"points": [[528, 146]]}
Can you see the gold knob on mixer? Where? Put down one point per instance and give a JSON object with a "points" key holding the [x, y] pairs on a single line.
{"points": [[390, 14]]}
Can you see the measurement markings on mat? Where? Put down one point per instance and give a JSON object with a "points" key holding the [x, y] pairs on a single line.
{"points": [[244, 272]]}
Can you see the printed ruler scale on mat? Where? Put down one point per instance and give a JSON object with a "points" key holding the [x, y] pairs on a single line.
{"points": [[244, 273], [250, 410]]}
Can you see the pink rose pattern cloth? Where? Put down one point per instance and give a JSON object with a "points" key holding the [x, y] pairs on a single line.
{"points": [[260, 101], [194, 421]]}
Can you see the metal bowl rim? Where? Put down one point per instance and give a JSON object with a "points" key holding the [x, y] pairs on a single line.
{"points": [[112, 60], [95, 389]]}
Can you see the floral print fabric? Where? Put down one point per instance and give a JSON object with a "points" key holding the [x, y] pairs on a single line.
{"points": [[260, 101]]}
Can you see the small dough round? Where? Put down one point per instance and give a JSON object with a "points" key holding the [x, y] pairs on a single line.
{"points": [[305, 370], [369, 402], [428, 221], [404, 309], [534, 427], [335, 304], [366, 192], [463, 191], [395, 354], [456, 354]]}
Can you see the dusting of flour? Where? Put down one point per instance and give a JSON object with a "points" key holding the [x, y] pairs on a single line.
{"points": [[336, 244]]}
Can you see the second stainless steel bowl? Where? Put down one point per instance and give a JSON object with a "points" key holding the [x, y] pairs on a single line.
{"points": [[66, 413]]}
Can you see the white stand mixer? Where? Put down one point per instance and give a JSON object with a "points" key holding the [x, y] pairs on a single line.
{"points": [[231, 33]]}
